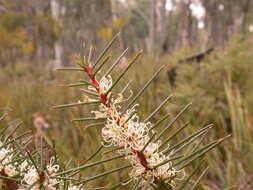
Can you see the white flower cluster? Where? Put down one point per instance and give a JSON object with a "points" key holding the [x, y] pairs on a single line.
{"points": [[105, 84], [45, 179], [30, 177], [6, 156], [126, 131]]}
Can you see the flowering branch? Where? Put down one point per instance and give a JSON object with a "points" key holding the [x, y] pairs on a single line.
{"points": [[123, 129], [151, 165]]}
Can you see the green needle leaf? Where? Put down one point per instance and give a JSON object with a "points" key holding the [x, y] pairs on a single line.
{"points": [[175, 133], [143, 89], [173, 121], [89, 92], [95, 124], [189, 142], [158, 108], [70, 69], [206, 148], [150, 140], [88, 119], [124, 72], [120, 184], [13, 131], [3, 116], [90, 165], [198, 133], [93, 155], [192, 173], [115, 63], [160, 121], [75, 84], [198, 180], [8, 178], [105, 50], [75, 104], [114, 149], [101, 65], [102, 174]]}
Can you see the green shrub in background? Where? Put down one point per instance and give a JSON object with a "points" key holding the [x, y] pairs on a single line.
{"points": [[221, 90], [203, 83]]}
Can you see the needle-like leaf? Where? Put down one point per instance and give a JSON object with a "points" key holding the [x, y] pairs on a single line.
{"points": [[102, 64], [113, 150], [158, 108], [74, 84], [93, 155], [95, 124], [175, 133], [189, 142], [199, 132], [90, 165], [105, 50], [70, 69], [173, 121], [120, 184], [3, 116], [192, 173], [102, 174], [89, 92], [199, 178], [199, 152], [124, 72], [150, 140], [89, 119], [164, 118], [115, 63], [76, 104], [13, 131], [143, 89], [8, 178]]}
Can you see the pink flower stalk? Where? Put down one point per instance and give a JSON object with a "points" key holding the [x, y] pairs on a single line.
{"points": [[126, 131]]}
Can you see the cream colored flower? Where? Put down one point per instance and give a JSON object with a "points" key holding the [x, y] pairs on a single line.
{"points": [[31, 177], [104, 84], [126, 131], [6, 155]]}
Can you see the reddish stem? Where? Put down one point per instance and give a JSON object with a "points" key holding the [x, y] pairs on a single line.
{"points": [[104, 100], [11, 185]]}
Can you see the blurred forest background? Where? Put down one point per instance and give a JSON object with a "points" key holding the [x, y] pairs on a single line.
{"points": [[206, 46]]}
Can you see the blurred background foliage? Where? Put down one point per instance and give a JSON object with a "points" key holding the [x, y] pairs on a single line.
{"points": [[36, 36]]}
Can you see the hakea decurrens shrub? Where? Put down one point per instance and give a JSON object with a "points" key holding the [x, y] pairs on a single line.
{"points": [[127, 131], [154, 164]]}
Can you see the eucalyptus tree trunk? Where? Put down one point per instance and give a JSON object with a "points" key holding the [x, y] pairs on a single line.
{"points": [[185, 19], [56, 10], [150, 40], [40, 47], [162, 24], [104, 12], [212, 21], [247, 9]]}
